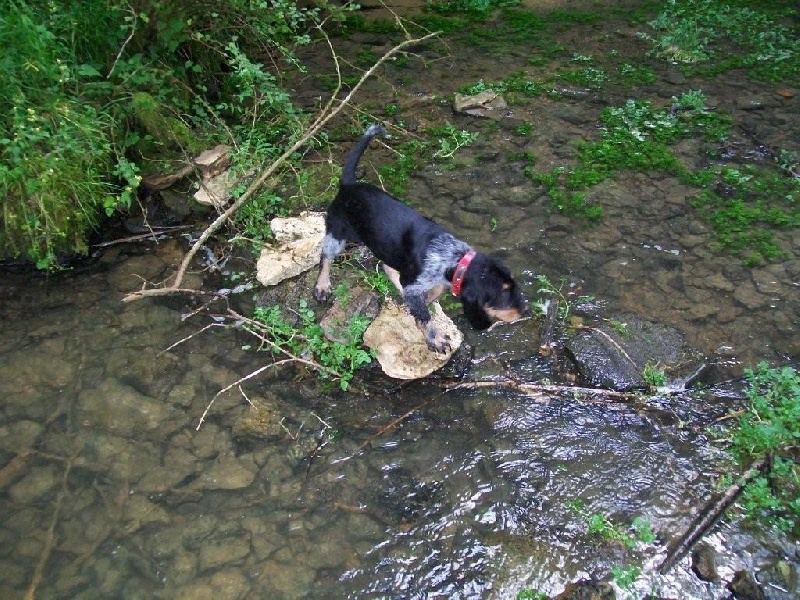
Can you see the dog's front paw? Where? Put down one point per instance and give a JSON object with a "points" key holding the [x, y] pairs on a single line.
{"points": [[437, 341], [322, 294]]}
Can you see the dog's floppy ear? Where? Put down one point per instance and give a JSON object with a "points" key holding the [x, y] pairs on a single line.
{"points": [[473, 309]]}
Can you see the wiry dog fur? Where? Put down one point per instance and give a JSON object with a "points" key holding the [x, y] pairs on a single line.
{"points": [[419, 255]]}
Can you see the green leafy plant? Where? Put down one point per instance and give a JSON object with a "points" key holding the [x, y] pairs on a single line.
{"points": [[96, 93], [744, 205], [654, 376], [525, 129], [451, 139], [307, 339], [626, 576], [556, 293], [703, 31], [638, 532], [771, 427], [530, 594], [634, 136]]}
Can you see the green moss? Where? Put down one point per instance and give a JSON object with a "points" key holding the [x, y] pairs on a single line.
{"points": [[165, 129]]}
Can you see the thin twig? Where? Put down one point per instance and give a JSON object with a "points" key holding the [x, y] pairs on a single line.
{"points": [[125, 43], [188, 337], [236, 383], [394, 423], [142, 236]]}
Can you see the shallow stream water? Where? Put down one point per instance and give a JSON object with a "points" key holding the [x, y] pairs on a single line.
{"points": [[111, 491]]}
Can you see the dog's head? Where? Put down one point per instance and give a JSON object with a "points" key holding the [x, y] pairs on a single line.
{"points": [[490, 294]]}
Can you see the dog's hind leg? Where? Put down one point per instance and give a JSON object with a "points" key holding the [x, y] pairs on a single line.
{"points": [[331, 248], [394, 276]]}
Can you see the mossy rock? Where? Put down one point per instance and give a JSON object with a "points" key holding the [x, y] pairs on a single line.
{"points": [[165, 129]]}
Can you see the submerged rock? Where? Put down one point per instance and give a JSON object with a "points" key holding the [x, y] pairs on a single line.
{"points": [[704, 563], [587, 590], [400, 346], [602, 362], [745, 587]]}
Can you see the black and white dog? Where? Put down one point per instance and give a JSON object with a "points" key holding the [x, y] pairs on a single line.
{"points": [[420, 257]]}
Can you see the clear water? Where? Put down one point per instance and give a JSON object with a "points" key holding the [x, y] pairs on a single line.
{"points": [[110, 491]]}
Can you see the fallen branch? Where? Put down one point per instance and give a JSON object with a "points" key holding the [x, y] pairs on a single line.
{"points": [[394, 423], [331, 110], [236, 383], [50, 538], [152, 235], [709, 515]]}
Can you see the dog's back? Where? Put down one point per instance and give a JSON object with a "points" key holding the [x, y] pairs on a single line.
{"points": [[396, 233]]}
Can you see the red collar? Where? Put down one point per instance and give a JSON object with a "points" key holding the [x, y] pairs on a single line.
{"points": [[460, 272]]}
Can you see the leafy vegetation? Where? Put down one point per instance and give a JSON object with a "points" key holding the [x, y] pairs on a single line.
{"points": [[440, 144], [531, 594], [555, 293], [635, 136], [771, 427], [307, 339], [744, 205], [727, 35], [94, 92], [654, 376]]}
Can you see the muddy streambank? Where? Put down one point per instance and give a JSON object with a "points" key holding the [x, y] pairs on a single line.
{"points": [[293, 489]]}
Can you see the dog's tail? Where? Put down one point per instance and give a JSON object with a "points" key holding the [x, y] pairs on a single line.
{"points": [[349, 169]]}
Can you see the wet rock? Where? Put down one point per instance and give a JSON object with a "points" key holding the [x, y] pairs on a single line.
{"points": [[400, 346], [781, 575], [718, 282], [162, 479], [146, 370], [745, 587], [704, 563], [130, 274], [587, 590], [117, 407], [139, 511], [488, 104], [19, 436], [217, 553], [230, 584], [262, 421], [747, 295], [602, 362], [766, 281], [605, 358], [182, 395], [210, 441], [574, 115], [127, 459], [299, 248], [227, 473], [38, 483], [25, 368]]}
